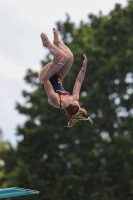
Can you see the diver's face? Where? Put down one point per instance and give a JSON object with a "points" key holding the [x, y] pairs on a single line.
{"points": [[73, 101]]}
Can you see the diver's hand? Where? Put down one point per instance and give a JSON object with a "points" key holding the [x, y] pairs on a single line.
{"points": [[56, 59], [84, 65], [84, 61]]}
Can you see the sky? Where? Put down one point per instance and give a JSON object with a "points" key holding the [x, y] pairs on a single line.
{"points": [[21, 23]]}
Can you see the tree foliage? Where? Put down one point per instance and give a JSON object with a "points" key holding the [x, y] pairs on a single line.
{"points": [[7, 161], [85, 161]]}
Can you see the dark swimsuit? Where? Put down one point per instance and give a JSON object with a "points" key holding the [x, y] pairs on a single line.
{"points": [[57, 86]]}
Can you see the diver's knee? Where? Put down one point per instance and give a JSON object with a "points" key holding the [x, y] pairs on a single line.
{"points": [[64, 58], [70, 56]]}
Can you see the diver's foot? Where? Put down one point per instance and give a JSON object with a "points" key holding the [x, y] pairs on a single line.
{"points": [[56, 37], [45, 39]]}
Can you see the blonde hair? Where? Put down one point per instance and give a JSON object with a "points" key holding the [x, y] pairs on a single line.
{"points": [[75, 115]]}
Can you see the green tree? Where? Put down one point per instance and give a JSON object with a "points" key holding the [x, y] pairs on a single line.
{"points": [[7, 161], [83, 162]]}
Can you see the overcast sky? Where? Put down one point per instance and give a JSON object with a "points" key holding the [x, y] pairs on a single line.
{"points": [[21, 22]]}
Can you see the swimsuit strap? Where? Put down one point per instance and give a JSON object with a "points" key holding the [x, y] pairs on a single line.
{"points": [[60, 100]]}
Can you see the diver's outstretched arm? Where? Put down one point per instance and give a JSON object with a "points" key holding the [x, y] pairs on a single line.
{"points": [[79, 79]]}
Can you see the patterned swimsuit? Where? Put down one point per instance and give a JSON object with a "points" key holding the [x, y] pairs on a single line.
{"points": [[57, 86]]}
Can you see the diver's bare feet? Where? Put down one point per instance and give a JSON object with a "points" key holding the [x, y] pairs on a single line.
{"points": [[56, 37], [45, 39]]}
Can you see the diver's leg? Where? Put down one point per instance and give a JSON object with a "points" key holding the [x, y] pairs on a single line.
{"points": [[42, 71], [58, 43], [64, 70], [54, 50]]}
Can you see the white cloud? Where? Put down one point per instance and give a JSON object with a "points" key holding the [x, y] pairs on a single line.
{"points": [[44, 13], [10, 70]]}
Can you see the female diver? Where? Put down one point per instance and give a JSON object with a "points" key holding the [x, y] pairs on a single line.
{"points": [[52, 75]]}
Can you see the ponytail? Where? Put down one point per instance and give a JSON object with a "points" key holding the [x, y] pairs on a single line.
{"points": [[75, 114]]}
